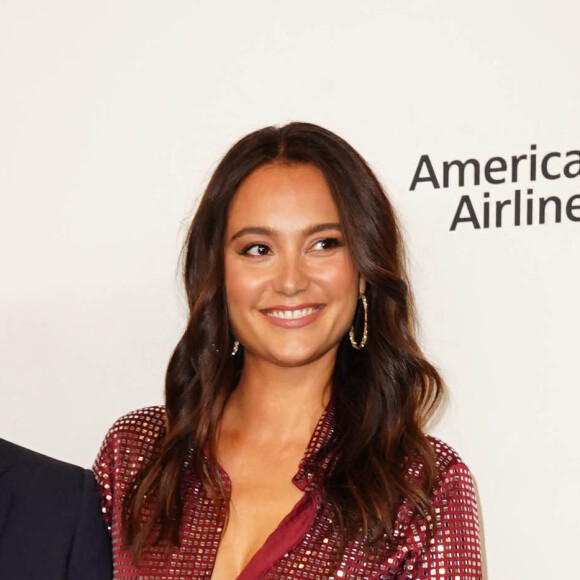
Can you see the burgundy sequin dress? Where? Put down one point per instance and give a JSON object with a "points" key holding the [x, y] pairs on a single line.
{"points": [[305, 545]]}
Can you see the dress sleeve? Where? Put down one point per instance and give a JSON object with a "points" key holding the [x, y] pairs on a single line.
{"points": [[452, 552], [129, 442]]}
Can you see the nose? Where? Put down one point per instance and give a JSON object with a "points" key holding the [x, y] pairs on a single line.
{"points": [[291, 276]]}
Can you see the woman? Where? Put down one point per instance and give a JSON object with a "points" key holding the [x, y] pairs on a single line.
{"points": [[291, 442]]}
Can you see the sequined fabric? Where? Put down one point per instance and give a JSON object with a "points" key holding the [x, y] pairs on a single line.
{"points": [[306, 544]]}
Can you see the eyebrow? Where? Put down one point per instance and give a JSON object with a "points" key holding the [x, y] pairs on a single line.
{"points": [[266, 231]]}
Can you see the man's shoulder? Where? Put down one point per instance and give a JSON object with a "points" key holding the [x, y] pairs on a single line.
{"points": [[36, 465], [49, 518], [41, 487]]}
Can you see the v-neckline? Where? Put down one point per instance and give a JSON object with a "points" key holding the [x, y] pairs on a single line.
{"points": [[296, 524], [283, 539]]}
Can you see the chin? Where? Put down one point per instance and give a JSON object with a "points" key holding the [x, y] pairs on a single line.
{"points": [[296, 357]]}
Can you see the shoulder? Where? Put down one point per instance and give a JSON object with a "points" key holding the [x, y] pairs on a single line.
{"points": [[54, 484], [453, 495], [454, 482], [53, 518], [138, 428], [450, 539], [452, 491], [44, 492], [132, 438], [38, 469], [453, 473], [447, 460], [445, 456], [130, 442]]}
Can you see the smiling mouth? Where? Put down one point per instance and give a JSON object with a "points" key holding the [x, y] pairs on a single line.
{"points": [[294, 314]]}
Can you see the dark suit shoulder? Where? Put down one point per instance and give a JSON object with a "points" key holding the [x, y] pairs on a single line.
{"points": [[15, 456], [51, 525]]}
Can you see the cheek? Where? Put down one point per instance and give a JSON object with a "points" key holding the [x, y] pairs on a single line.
{"points": [[235, 285], [340, 280], [242, 285]]}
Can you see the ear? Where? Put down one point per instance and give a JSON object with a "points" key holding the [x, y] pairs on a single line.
{"points": [[362, 285]]}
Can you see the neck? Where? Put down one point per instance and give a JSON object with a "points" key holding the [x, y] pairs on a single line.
{"points": [[278, 404]]}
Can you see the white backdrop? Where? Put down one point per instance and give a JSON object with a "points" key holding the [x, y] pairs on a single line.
{"points": [[114, 113]]}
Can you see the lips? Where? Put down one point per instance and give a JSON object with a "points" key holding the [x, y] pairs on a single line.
{"points": [[292, 316]]}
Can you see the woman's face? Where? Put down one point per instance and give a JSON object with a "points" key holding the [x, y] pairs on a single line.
{"points": [[291, 284]]}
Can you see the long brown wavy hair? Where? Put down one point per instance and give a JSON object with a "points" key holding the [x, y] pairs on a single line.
{"points": [[382, 395]]}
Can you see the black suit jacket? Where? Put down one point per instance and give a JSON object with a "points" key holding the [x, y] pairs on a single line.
{"points": [[51, 527]]}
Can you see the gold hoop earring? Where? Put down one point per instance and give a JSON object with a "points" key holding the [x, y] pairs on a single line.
{"points": [[362, 343], [235, 348]]}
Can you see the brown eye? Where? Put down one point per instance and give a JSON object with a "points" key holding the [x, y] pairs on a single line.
{"points": [[256, 250], [327, 244]]}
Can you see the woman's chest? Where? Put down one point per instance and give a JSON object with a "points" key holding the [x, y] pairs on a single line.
{"points": [[258, 508], [303, 546]]}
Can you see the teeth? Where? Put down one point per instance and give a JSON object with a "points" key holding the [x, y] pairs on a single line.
{"points": [[292, 314]]}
